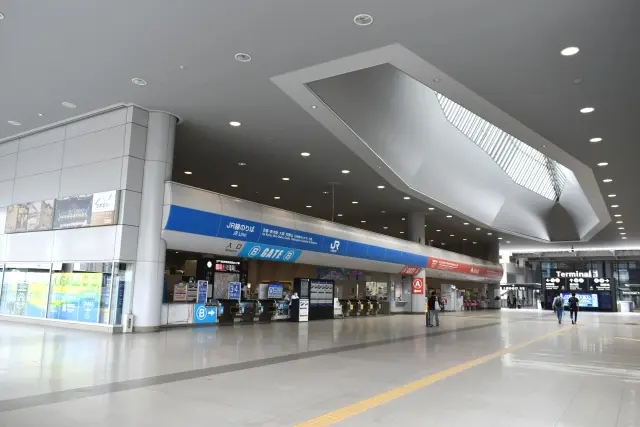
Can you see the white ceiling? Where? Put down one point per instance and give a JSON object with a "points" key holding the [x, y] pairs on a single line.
{"points": [[506, 51]]}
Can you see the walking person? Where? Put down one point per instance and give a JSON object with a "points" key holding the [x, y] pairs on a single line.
{"points": [[432, 310], [573, 308], [558, 306]]}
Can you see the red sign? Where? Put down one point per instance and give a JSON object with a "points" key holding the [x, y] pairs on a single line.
{"points": [[417, 286], [472, 270], [410, 270]]}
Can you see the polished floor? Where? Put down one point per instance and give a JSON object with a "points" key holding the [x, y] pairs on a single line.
{"points": [[507, 368]]}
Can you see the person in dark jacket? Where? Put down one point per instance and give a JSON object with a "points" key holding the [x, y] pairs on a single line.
{"points": [[432, 310], [573, 308]]}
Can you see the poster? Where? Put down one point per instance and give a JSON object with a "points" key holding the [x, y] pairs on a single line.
{"points": [[75, 296], [105, 300], [16, 221], [103, 208], [40, 215], [20, 304], [37, 294], [73, 212]]}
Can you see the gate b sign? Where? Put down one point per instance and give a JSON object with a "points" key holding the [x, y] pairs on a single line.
{"points": [[417, 286]]}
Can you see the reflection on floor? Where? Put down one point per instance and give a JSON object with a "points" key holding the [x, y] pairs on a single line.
{"points": [[508, 368]]}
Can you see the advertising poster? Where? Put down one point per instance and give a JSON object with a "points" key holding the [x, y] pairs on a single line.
{"points": [[584, 300], [103, 208], [20, 304], [37, 294], [275, 291], [73, 212], [105, 300], [40, 215], [16, 221], [75, 296]]}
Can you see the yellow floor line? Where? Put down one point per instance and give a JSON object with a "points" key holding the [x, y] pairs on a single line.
{"points": [[398, 392]]}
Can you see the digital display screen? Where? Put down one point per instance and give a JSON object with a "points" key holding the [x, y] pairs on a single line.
{"points": [[584, 300]]}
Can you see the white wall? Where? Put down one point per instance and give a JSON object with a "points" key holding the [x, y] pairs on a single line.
{"points": [[102, 152]]}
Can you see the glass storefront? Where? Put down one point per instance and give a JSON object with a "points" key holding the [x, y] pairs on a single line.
{"points": [[78, 292], [627, 279]]}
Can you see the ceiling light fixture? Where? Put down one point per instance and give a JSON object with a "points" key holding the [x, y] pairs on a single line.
{"points": [[235, 124], [603, 164], [40, 114], [354, 202], [138, 81], [569, 51], [285, 179], [402, 232], [14, 123], [380, 187], [1, 16], [404, 219], [464, 240], [234, 185], [499, 238], [438, 230], [432, 209], [363, 221], [305, 154], [619, 222], [578, 81], [611, 195], [363, 19], [618, 215], [452, 235], [465, 223], [68, 104], [489, 234], [607, 180], [188, 172], [243, 57], [620, 228], [314, 106], [475, 243], [383, 212], [406, 197], [242, 164], [624, 238], [449, 216], [386, 228], [595, 140], [615, 206], [622, 234], [587, 110], [478, 228], [345, 171]]}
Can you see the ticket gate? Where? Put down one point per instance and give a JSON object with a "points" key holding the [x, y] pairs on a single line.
{"points": [[227, 311], [269, 310]]}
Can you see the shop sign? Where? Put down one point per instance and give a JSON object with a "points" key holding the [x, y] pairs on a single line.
{"points": [[269, 253], [410, 270], [417, 286]]}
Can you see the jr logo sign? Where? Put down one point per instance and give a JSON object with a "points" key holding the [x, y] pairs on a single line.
{"points": [[334, 247]]}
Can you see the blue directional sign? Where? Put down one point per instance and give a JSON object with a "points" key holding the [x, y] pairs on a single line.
{"points": [[234, 290], [270, 252], [204, 314]]}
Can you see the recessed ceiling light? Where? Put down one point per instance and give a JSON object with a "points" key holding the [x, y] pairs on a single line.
{"points": [[188, 172], [314, 106], [508, 241], [475, 243], [618, 215], [325, 192], [615, 206], [138, 81], [243, 57], [607, 180], [285, 179], [363, 221], [595, 140], [404, 219], [464, 240], [620, 228], [425, 226], [499, 238], [182, 67], [363, 19], [339, 214], [68, 104], [345, 171], [354, 202], [234, 185], [569, 51], [578, 81], [386, 228], [40, 114], [438, 230], [587, 110], [432, 209], [624, 238], [380, 187], [242, 164], [305, 154], [235, 124], [443, 244], [611, 195], [452, 235], [622, 234], [489, 234], [276, 197], [619, 222], [14, 123], [383, 212], [402, 232], [602, 164], [1, 15], [478, 228], [465, 223], [449, 216], [406, 197]]}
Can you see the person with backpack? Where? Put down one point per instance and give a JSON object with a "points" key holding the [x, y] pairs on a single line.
{"points": [[573, 308], [558, 306]]}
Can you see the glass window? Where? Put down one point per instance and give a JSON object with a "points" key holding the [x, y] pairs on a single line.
{"points": [[24, 289], [121, 292], [77, 290]]}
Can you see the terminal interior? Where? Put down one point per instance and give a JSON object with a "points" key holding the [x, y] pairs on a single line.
{"points": [[311, 214]]}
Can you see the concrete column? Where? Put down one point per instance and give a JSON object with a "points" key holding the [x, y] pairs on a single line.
{"points": [[416, 227], [149, 269]]}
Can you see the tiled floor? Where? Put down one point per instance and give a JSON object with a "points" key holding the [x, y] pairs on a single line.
{"points": [[285, 374]]}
